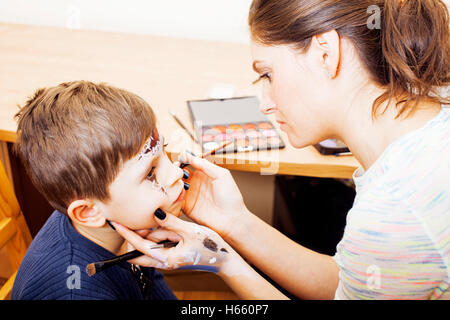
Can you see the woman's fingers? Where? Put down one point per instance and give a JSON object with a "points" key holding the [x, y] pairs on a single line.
{"points": [[144, 260], [163, 234], [171, 222], [147, 261], [143, 245], [144, 233], [197, 245]]}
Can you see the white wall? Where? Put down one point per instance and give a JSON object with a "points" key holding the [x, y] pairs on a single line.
{"points": [[223, 20]]}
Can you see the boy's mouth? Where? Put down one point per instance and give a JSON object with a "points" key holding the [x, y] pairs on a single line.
{"points": [[181, 196]]}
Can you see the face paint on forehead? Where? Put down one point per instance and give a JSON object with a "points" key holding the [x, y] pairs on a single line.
{"points": [[152, 147]]}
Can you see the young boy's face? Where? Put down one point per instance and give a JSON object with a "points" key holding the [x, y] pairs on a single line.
{"points": [[146, 182]]}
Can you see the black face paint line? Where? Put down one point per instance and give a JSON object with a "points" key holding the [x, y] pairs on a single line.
{"points": [[210, 244]]}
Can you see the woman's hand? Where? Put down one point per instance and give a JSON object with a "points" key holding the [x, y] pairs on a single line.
{"points": [[214, 198], [198, 248]]}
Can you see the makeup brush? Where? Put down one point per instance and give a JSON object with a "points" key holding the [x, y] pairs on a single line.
{"points": [[211, 152], [97, 267], [183, 126], [206, 154]]}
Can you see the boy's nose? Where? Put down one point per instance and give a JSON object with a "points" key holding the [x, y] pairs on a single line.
{"points": [[179, 173]]}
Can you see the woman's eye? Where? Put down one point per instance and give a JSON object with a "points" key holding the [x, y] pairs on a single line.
{"points": [[266, 75]]}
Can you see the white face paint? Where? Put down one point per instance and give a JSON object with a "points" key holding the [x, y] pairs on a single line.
{"points": [[156, 185], [197, 258], [212, 260], [189, 256], [151, 148]]}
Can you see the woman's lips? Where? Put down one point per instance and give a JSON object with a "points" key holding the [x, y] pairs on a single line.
{"points": [[282, 125]]}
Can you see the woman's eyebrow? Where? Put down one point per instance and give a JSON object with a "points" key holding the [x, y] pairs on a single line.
{"points": [[255, 66]]}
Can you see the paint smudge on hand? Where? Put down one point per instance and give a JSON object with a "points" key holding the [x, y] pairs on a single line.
{"points": [[210, 244]]}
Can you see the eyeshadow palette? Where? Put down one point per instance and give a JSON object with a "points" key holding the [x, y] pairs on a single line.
{"points": [[236, 119]]}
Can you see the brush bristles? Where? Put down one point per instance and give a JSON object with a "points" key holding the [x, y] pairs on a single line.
{"points": [[91, 269], [96, 267]]}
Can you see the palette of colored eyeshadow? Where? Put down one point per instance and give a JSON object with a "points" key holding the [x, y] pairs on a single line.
{"points": [[235, 119]]}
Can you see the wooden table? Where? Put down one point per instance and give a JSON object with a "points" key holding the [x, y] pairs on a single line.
{"points": [[164, 71]]}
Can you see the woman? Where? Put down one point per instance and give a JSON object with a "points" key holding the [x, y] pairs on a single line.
{"points": [[364, 72]]}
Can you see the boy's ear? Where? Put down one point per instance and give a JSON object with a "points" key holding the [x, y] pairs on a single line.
{"points": [[83, 212]]}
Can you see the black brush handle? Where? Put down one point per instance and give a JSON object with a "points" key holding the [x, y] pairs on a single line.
{"points": [[135, 253], [128, 256], [102, 265]]}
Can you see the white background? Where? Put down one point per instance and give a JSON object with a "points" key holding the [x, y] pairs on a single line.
{"points": [[223, 20]]}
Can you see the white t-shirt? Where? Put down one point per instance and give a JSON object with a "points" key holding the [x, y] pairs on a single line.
{"points": [[396, 243]]}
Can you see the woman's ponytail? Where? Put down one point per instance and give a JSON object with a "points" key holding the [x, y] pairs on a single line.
{"points": [[416, 48]]}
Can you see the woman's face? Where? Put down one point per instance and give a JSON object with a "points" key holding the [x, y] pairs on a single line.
{"points": [[293, 88]]}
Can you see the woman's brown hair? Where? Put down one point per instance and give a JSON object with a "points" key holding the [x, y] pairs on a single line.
{"points": [[74, 138], [408, 53]]}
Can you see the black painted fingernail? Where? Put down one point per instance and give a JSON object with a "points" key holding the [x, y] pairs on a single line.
{"points": [[110, 224], [183, 165], [185, 174], [186, 186], [161, 215]]}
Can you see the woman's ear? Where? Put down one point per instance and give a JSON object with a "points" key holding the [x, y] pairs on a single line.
{"points": [[328, 52], [84, 212]]}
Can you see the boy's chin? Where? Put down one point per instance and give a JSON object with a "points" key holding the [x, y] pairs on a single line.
{"points": [[174, 209]]}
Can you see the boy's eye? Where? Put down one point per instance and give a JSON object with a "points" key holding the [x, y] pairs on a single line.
{"points": [[151, 174]]}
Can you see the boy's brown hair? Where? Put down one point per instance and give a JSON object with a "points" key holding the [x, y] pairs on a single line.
{"points": [[73, 138]]}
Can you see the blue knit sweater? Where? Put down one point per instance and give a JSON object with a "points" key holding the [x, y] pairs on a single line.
{"points": [[55, 263]]}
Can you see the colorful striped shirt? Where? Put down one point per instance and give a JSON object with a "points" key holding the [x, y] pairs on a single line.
{"points": [[396, 243]]}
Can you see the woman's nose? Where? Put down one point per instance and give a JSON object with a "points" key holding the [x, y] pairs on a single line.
{"points": [[267, 105]]}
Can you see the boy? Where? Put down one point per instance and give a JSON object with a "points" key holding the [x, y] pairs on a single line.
{"points": [[94, 152]]}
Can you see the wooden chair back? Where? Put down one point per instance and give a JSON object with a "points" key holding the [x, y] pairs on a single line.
{"points": [[15, 236]]}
